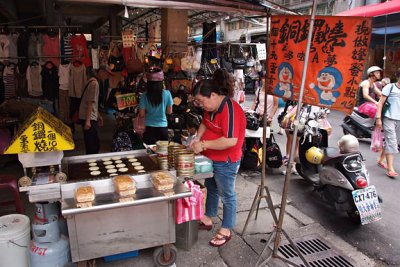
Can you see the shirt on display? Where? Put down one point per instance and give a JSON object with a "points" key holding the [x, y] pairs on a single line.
{"points": [[22, 83], [66, 48], [63, 74], [80, 51], [34, 80], [95, 58], [51, 47], [13, 47], [77, 80], [50, 81], [10, 82], [4, 47]]}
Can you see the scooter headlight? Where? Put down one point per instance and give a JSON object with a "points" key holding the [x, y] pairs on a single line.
{"points": [[353, 163]]}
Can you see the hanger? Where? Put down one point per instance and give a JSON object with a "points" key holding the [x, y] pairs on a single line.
{"points": [[34, 63], [51, 33], [49, 64], [11, 65]]}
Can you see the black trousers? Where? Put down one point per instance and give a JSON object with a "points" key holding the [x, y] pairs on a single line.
{"points": [[91, 138], [154, 134]]}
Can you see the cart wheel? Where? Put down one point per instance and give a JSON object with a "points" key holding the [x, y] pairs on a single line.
{"points": [[24, 181], [61, 177], [159, 259]]}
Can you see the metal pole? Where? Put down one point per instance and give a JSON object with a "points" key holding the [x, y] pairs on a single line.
{"points": [[292, 151]]}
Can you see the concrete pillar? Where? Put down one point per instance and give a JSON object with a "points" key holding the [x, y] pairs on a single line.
{"points": [[174, 28]]}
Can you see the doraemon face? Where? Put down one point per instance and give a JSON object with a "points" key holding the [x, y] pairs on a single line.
{"points": [[285, 75], [326, 81]]}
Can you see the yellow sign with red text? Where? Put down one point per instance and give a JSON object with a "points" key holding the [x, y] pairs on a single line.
{"points": [[41, 132]]}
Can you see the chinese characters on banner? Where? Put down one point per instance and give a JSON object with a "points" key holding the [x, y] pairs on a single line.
{"points": [[336, 62]]}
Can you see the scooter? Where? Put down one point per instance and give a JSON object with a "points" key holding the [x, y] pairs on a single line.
{"points": [[339, 176], [358, 124]]}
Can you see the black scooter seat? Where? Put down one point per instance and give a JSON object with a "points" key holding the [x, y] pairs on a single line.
{"points": [[362, 114], [331, 153]]}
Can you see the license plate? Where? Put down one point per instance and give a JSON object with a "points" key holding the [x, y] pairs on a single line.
{"points": [[367, 203]]}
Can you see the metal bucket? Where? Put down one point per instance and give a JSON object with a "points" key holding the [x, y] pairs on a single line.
{"points": [[185, 164], [162, 160], [171, 153]]}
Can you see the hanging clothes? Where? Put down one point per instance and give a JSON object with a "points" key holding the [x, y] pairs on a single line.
{"points": [[50, 85], [4, 47], [95, 58], [103, 55], [32, 47], [80, 51], [51, 47], [34, 80], [22, 50], [77, 80], [22, 83], [66, 48], [13, 47], [10, 81], [63, 97], [1, 83]]}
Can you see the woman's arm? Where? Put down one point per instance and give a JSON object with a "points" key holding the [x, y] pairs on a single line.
{"points": [[221, 143], [379, 107], [169, 110], [365, 91], [274, 107], [142, 113]]}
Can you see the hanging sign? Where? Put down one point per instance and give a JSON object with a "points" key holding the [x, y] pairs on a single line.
{"points": [[128, 38], [261, 52], [126, 100], [41, 132], [336, 62]]}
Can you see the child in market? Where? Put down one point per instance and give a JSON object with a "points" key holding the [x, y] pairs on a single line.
{"points": [[192, 125]]}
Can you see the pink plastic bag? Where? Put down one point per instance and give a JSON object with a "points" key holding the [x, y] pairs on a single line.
{"points": [[190, 208], [377, 140], [368, 109]]}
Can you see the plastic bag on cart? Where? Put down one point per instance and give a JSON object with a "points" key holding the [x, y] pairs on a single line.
{"points": [[190, 208]]}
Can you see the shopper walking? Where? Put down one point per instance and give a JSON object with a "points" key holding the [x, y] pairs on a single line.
{"points": [[220, 138], [89, 108], [154, 104], [258, 104], [390, 122]]}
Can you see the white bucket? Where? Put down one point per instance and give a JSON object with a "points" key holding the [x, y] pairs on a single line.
{"points": [[14, 240]]}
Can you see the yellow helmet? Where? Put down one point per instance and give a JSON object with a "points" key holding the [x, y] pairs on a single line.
{"points": [[314, 155]]}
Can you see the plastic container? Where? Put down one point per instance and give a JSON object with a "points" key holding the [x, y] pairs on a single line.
{"points": [[203, 165], [122, 256], [14, 240]]}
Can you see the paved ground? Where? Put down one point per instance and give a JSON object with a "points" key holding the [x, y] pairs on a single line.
{"points": [[241, 250]]}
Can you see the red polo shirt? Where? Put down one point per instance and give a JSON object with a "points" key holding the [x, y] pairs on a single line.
{"points": [[230, 122]]}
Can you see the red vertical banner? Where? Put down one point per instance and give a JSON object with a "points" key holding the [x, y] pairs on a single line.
{"points": [[336, 62]]}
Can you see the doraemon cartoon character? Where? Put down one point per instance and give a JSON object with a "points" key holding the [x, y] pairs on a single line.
{"points": [[284, 87], [328, 81]]}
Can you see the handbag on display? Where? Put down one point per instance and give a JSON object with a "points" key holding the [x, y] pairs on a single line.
{"points": [[252, 121], [154, 57], [176, 61], [189, 62], [239, 62], [273, 153], [134, 65], [177, 84]]}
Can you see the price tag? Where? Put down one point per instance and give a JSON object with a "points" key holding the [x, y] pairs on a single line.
{"points": [[261, 52], [126, 101]]}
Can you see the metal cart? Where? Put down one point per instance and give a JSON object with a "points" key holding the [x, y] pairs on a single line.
{"points": [[110, 227]]}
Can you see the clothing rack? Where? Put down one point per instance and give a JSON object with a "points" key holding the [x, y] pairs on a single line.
{"points": [[40, 27]]}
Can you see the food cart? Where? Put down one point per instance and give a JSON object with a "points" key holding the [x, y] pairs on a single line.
{"points": [[109, 226]]}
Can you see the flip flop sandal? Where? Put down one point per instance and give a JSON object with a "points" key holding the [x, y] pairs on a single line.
{"points": [[220, 237], [203, 226], [381, 164], [392, 174]]}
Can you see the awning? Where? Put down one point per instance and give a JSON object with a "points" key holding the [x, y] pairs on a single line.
{"points": [[374, 10]]}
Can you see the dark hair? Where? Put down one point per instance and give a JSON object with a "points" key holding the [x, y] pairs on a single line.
{"points": [[154, 92], [193, 121], [225, 81], [208, 86]]}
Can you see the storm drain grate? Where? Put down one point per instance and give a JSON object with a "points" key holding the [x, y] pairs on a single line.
{"points": [[316, 251]]}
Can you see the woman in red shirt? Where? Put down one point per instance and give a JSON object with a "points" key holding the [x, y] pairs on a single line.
{"points": [[220, 138]]}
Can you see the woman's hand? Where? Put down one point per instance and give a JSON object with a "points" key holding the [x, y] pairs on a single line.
{"points": [[378, 123], [87, 125], [196, 146], [194, 139]]}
